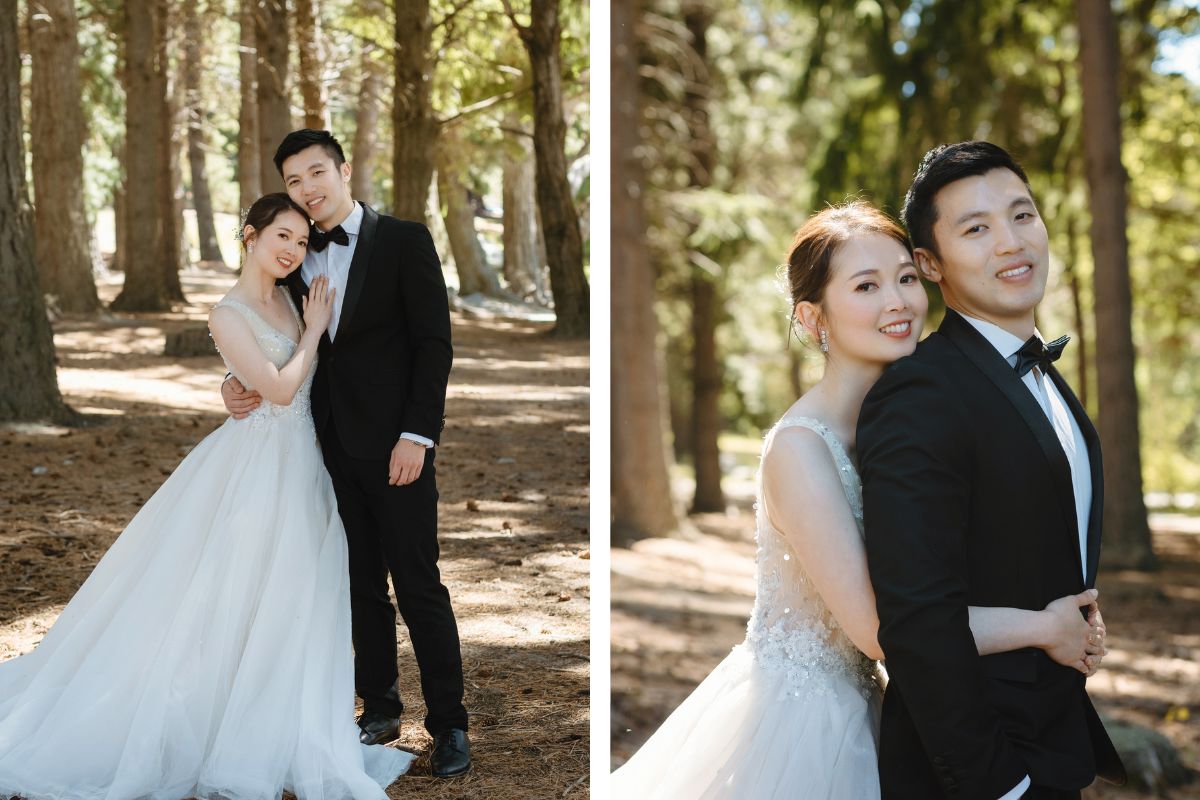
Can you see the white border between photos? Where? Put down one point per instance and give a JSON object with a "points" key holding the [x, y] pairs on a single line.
{"points": [[600, 460]]}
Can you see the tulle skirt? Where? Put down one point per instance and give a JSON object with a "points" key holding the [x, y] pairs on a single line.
{"points": [[208, 654], [750, 732]]}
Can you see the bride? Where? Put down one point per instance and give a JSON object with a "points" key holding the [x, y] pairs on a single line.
{"points": [[793, 710], [208, 655]]}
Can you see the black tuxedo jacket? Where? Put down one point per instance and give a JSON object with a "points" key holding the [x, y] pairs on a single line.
{"points": [[968, 501], [386, 370]]}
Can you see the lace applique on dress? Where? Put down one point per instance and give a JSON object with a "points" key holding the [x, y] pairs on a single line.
{"points": [[790, 628], [278, 348]]}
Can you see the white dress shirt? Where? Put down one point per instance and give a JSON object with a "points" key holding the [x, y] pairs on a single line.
{"points": [[1069, 436], [334, 263]]}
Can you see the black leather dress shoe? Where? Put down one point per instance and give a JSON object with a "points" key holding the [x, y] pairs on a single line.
{"points": [[451, 754], [378, 729]]}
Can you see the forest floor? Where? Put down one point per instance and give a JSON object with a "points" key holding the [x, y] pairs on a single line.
{"points": [[679, 604], [513, 476]]}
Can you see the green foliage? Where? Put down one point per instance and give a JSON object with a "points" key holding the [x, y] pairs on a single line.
{"points": [[481, 85], [814, 102]]}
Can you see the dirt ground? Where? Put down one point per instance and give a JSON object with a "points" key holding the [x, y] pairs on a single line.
{"points": [[679, 605], [513, 476]]}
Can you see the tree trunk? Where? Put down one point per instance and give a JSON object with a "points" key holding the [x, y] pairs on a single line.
{"points": [[145, 280], [414, 125], [172, 251], [120, 261], [57, 135], [706, 392], [523, 269], [210, 249], [475, 275], [641, 489], [312, 60], [1072, 270], [706, 302], [677, 389], [1126, 531], [274, 111], [28, 384], [370, 102], [248, 164], [560, 221]]}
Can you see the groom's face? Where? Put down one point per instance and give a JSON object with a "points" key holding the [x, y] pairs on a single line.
{"points": [[992, 255], [314, 181]]}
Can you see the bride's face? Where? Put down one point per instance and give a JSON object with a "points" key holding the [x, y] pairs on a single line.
{"points": [[280, 247], [874, 305]]}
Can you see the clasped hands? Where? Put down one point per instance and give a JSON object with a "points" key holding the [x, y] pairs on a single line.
{"points": [[1077, 642]]}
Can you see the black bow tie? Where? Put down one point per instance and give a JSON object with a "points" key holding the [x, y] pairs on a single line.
{"points": [[318, 241], [1035, 354]]}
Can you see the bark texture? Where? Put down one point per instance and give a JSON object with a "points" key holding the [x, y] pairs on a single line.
{"points": [[560, 220], [210, 249], [706, 299], [524, 269], [475, 275], [145, 279], [641, 490], [415, 127], [172, 249], [274, 111], [28, 384], [312, 59], [248, 163], [1126, 530], [63, 248], [366, 129]]}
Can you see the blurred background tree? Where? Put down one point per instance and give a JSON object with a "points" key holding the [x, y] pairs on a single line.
{"points": [[117, 95], [757, 112]]}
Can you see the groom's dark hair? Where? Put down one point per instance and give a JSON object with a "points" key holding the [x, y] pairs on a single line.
{"points": [[304, 138], [940, 167]]}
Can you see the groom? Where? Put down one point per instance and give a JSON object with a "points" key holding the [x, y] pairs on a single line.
{"points": [[377, 402], [982, 486]]}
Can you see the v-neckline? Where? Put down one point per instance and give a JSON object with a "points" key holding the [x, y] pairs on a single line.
{"points": [[267, 322]]}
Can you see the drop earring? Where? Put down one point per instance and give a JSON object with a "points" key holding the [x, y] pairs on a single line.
{"points": [[824, 340], [250, 247]]}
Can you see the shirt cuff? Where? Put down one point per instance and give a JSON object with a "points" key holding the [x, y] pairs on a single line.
{"points": [[1018, 790], [412, 437]]}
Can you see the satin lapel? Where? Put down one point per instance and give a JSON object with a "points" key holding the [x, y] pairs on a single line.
{"points": [[359, 266], [1096, 460], [984, 356]]}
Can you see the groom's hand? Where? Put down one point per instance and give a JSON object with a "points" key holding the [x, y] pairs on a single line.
{"points": [[237, 400], [408, 457]]}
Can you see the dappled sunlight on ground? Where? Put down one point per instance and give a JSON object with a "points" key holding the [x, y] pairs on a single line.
{"points": [[679, 604], [513, 475]]}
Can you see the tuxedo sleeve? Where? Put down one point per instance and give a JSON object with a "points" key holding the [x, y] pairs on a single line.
{"points": [[914, 445], [427, 315]]}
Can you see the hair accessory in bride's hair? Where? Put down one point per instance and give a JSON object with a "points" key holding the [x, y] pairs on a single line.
{"points": [[240, 233]]}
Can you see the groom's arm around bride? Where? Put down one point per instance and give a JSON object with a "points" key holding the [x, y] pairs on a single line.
{"points": [[982, 487]]}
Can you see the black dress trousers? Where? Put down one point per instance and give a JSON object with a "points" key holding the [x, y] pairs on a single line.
{"points": [[393, 530]]}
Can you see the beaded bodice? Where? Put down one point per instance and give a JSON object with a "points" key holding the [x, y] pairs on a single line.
{"points": [[278, 348], [791, 628]]}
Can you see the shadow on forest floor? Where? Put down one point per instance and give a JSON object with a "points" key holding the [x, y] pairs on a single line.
{"points": [[680, 604], [513, 476]]}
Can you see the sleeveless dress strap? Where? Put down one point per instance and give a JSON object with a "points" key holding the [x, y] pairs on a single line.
{"points": [[847, 471], [257, 321]]}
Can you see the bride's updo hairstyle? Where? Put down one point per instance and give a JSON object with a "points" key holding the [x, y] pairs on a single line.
{"points": [[811, 254], [265, 209], [809, 259]]}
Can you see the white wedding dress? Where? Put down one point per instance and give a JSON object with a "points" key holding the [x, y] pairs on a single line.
{"points": [[792, 712], [208, 655]]}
